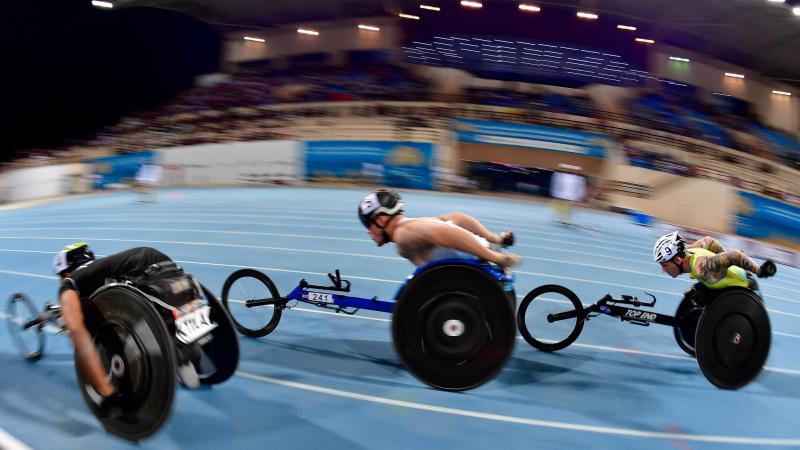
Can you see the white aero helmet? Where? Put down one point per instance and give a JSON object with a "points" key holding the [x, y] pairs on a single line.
{"points": [[668, 246]]}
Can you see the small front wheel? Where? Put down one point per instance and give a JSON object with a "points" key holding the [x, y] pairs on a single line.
{"points": [[250, 284], [553, 321], [29, 341]]}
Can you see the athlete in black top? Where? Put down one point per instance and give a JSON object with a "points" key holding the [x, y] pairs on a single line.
{"points": [[81, 275], [92, 275]]}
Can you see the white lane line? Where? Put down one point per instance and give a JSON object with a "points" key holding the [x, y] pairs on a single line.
{"points": [[776, 283], [192, 230], [54, 330], [207, 244], [786, 334], [307, 236], [340, 216], [520, 420], [271, 269], [560, 261], [28, 274], [213, 222], [640, 249], [9, 442], [396, 281]]}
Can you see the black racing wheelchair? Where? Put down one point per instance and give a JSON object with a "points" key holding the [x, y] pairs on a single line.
{"points": [[147, 330], [727, 330], [452, 321]]}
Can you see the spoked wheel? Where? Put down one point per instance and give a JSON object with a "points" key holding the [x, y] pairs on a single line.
{"points": [[453, 327], [688, 315], [550, 317], [139, 355], [28, 341], [219, 352], [733, 339], [250, 284]]}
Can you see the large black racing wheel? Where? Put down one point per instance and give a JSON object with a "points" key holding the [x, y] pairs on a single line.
{"points": [[250, 284], [220, 350], [139, 353], [733, 339], [28, 341], [688, 315], [453, 327], [553, 321]]}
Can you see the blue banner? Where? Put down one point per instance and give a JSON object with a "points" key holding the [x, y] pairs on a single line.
{"points": [[765, 218], [531, 136], [119, 168], [399, 164]]}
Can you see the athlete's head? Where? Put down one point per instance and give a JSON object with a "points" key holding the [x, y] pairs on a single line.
{"points": [[71, 257], [670, 253], [376, 210]]}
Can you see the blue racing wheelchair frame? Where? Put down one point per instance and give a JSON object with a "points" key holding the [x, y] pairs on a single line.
{"points": [[452, 320]]}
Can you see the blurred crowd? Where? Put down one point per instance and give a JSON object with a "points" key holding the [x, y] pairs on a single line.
{"points": [[247, 105]]}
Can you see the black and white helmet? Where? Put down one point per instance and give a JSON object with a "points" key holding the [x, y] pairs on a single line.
{"points": [[668, 246], [382, 202]]}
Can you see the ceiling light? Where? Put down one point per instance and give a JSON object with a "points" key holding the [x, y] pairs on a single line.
{"points": [[304, 31], [531, 8], [646, 41], [432, 8], [248, 38], [408, 16], [100, 4], [734, 75], [586, 15], [626, 27], [469, 4], [796, 10], [782, 93], [675, 58], [369, 28]]}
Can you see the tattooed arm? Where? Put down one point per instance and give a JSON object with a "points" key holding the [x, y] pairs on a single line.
{"points": [[713, 268], [710, 244]]}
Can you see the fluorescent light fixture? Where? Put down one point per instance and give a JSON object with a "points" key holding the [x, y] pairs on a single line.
{"points": [[720, 93], [776, 1], [782, 93], [248, 38], [311, 32], [531, 8], [796, 10], [100, 4], [408, 16], [626, 27], [646, 41], [432, 8], [675, 58], [586, 15], [469, 4], [734, 75], [369, 28]]}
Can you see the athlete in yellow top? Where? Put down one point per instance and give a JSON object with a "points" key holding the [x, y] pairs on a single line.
{"points": [[708, 262]]}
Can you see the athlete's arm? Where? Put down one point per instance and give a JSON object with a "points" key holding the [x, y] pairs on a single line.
{"points": [[710, 244], [716, 267], [457, 238]]}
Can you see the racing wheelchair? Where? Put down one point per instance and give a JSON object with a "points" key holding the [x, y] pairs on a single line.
{"points": [[148, 330], [452, 321], [727, 330]]}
